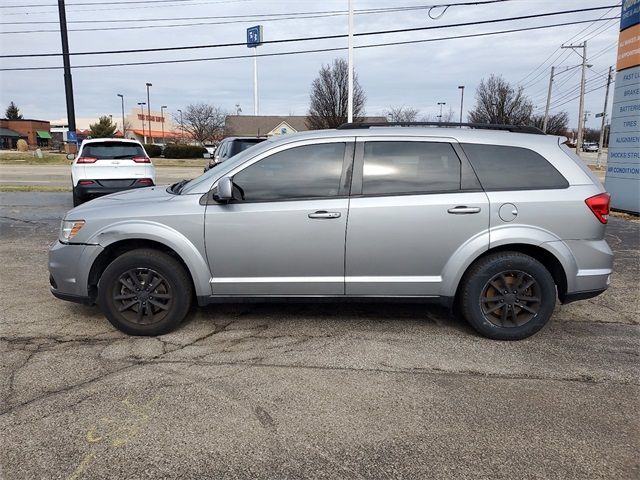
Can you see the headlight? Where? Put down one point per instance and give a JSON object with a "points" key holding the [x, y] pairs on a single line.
{"points": [[70, 229]]}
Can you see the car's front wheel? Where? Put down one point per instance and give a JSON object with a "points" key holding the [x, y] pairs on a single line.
{"points": [[145, 292], [507, 296]]}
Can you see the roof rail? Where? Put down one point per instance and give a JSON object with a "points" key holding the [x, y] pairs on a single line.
{"points": [[484, 126]]}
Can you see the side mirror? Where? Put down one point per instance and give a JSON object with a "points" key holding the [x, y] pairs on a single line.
{"points": [[70, 156], [206, 155], [224, 190]]}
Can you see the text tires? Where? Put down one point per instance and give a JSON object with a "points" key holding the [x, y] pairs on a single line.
{"points": [[507, 296], [145, 292]]}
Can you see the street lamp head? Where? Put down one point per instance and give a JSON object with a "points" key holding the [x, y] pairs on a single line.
{"points": [[120, 95], [149, 84], [163, 106], [461, 86]]}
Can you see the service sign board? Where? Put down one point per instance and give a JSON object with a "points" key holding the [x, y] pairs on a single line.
{"points": [[623, 164], [254, 36]]}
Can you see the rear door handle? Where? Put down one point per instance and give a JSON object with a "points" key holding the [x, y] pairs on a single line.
{"points": [[462, 210], [324, 214]]}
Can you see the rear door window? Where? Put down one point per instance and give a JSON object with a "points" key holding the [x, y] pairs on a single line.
{"points": [[409, 167], [502, 167], [112, 150], [242, 145]]}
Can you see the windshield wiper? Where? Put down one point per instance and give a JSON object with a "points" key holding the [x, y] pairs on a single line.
{"points": [[177, 187]]}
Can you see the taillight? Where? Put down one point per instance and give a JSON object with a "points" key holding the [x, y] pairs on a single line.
{"points": [[599, 205], [86, 160], [141, 159], [145, 181], [86, 182]]}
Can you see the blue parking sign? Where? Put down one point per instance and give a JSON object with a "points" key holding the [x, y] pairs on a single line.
{"points": [[254, 36], [72, 137]]}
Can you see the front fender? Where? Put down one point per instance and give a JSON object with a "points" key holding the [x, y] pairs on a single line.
{"points": [[160, 233]]}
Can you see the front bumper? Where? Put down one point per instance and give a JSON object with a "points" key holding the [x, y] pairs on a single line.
{"points": [[69, 267], [104, 187]]}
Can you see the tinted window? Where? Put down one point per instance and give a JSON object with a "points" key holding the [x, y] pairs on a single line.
{"points": [[312, 171], [241, 145], [512, 168], [103, 150], [409, 167]]}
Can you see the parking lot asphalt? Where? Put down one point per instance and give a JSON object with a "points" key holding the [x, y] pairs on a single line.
{"points": [[310, 390]]}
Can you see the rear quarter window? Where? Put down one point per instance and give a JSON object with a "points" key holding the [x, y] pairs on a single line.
{"points": [[501, 167]]}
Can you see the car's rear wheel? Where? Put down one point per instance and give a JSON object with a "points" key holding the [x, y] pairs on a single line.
{"points": [[145, 292], [507, 296]]}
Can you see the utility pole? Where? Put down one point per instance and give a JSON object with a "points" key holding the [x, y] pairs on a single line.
{"points": [[583, 46], [68, 83], [144, 132], [461, 87], [124, 130], [162, 122], [546, 110], [181, 127], [149, 114], [604, 117], [350, 66]]}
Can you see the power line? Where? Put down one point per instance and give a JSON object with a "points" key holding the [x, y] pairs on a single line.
{"points": [[362, 11], [192, 24], [304, 39], [104, 3], [574, 98], [230, 57], [559, 49]]}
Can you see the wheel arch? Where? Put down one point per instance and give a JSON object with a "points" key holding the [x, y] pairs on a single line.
{"points": [[550, 260], [116, 248]]}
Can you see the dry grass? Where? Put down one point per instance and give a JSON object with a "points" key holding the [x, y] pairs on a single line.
{"points": [[33, 188]]}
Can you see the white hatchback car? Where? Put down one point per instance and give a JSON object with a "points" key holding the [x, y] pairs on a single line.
{"points": [[108, 165]]}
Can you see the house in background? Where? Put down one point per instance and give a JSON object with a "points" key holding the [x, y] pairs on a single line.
{"points": [[270, 125], [9, 138], [37, 133]]}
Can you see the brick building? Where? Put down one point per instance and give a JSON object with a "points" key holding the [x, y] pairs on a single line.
{"points": [[37, 133]]}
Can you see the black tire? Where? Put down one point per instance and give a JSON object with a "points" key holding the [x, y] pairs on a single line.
{"points": [[526, 306], [77, 200], [153, 286]]}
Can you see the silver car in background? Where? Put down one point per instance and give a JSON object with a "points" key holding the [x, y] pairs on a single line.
{"points": [[498, 222]]}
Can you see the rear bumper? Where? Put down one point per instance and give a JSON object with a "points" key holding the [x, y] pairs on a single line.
{"points": [[105, 187]]}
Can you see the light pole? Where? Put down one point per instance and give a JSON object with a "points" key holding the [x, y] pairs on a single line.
{"points": [[144, 134], [124, 131], [461, 87], [181, 127], [162, 122], [441, 105], [149, 113]]}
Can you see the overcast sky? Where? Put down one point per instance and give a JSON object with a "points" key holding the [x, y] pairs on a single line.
{"points": [[418, 75]]}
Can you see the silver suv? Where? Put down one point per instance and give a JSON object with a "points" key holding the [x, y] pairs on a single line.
{"points": [[497, 222]]}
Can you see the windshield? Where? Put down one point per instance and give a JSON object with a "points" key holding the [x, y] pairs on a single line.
{"points": [[192, 185], [112, 150]]}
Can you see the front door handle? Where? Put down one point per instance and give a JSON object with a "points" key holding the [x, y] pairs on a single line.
{"points": [[462, 210], [324, 214]]}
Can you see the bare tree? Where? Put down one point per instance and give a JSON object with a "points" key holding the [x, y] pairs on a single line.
{"points": [[402, 114], [329, 97], [498, 102], [447, 116], [203, 122], [556, 125]]}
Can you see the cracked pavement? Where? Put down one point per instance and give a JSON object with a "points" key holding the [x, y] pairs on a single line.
{"points": [[309, 390]]}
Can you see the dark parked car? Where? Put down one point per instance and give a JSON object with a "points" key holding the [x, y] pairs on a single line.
{"points": [[229, 147]]}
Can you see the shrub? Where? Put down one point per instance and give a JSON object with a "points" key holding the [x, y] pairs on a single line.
{"points": [[184, 151], [22, 145], [153, 150]]}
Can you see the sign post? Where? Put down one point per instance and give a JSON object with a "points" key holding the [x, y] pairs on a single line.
{"points": [[623, 163], [254, 40]]}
